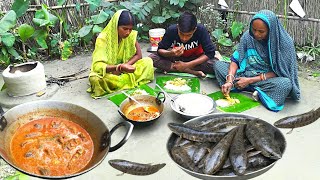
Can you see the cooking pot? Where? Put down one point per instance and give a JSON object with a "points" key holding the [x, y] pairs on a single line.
{"points": [[278, 136], [145, 100], [27, 112]]}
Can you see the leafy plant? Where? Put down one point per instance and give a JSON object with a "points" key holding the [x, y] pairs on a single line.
{"points": [[210, 18], [224, 39], [224, 27], [25, 32], [96, 22], [44, 20], [236, 29], [143, 31], [310, 50], [316, 74], [20, 7], [7, 39]]}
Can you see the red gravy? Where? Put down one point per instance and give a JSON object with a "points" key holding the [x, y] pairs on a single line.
{"points": [[139, 113], [51, 147]]}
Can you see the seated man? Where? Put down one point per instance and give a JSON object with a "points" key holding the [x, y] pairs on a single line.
{"points": [[185, 47]]}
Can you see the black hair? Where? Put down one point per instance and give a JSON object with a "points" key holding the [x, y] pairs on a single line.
{"points": [[187, 22], [126, 18]]}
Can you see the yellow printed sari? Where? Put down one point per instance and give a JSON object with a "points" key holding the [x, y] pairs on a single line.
{"points": [[108, 51]]}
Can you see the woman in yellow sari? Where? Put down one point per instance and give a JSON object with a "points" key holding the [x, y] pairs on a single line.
{"points": [[117, 61]]}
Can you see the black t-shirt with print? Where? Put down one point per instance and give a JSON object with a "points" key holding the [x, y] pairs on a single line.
{"points": [[199, 43]]}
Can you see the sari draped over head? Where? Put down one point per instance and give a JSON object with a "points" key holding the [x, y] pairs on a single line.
{"points": [[109, 51], [276, 54]]}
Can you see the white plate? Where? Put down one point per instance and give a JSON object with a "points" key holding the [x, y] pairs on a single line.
{"points": [[194, 104]]}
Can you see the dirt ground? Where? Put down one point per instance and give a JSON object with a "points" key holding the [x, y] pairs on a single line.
{"points": [[310, 70]]}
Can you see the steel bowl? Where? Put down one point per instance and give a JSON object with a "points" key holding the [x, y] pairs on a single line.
{"points": [[204, 119], [192, 105], [146, 100]]}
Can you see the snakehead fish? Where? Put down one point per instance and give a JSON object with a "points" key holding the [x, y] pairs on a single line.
{"points": [[218, 154], [262, 137], [298, 120], [192, 134], [238, 154], [135, 168]]}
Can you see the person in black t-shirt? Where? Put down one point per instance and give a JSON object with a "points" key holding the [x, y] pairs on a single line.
{"points": [[185, 47]]}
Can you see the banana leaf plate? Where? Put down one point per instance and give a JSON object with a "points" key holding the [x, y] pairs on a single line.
{"points": [[118, 98], [193, 83], [246, 103]]}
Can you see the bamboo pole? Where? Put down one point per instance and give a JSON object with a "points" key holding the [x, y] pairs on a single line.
{"points": [[280, 16], [58, 7]]}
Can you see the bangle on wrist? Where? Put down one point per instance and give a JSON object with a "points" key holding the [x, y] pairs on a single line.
{"points": [[232, 76], [117, 67], [264, 76], [120, 67], [230, 83]]}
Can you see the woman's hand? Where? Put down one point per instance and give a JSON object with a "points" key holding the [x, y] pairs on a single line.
{"points": [[242, 82], [225, 88], [127, 68], [177, 51]]}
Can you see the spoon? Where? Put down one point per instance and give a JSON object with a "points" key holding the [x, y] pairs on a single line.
{"points": [[181, 108], [143, 106]]}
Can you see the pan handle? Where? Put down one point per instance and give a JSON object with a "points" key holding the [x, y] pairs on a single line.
{"points": [[3, 121], [106, 138], [158, 98]]}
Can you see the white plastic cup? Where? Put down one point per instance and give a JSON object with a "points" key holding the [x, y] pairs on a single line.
{"points": [[155, 36]]}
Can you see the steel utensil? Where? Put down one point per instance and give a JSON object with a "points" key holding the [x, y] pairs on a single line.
{"points": [[181, 108], [145, 108]]}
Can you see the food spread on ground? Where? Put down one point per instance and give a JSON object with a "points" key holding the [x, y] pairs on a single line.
{"points": [[51, 147], [177, 84], [143, 113], [228, 101], [139, 92]]}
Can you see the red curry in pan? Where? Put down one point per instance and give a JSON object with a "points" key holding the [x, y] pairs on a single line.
{"points": [[51, 147]]}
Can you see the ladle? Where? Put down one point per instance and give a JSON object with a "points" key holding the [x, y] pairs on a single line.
{"points": [[181, 108], [145, 108]]}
